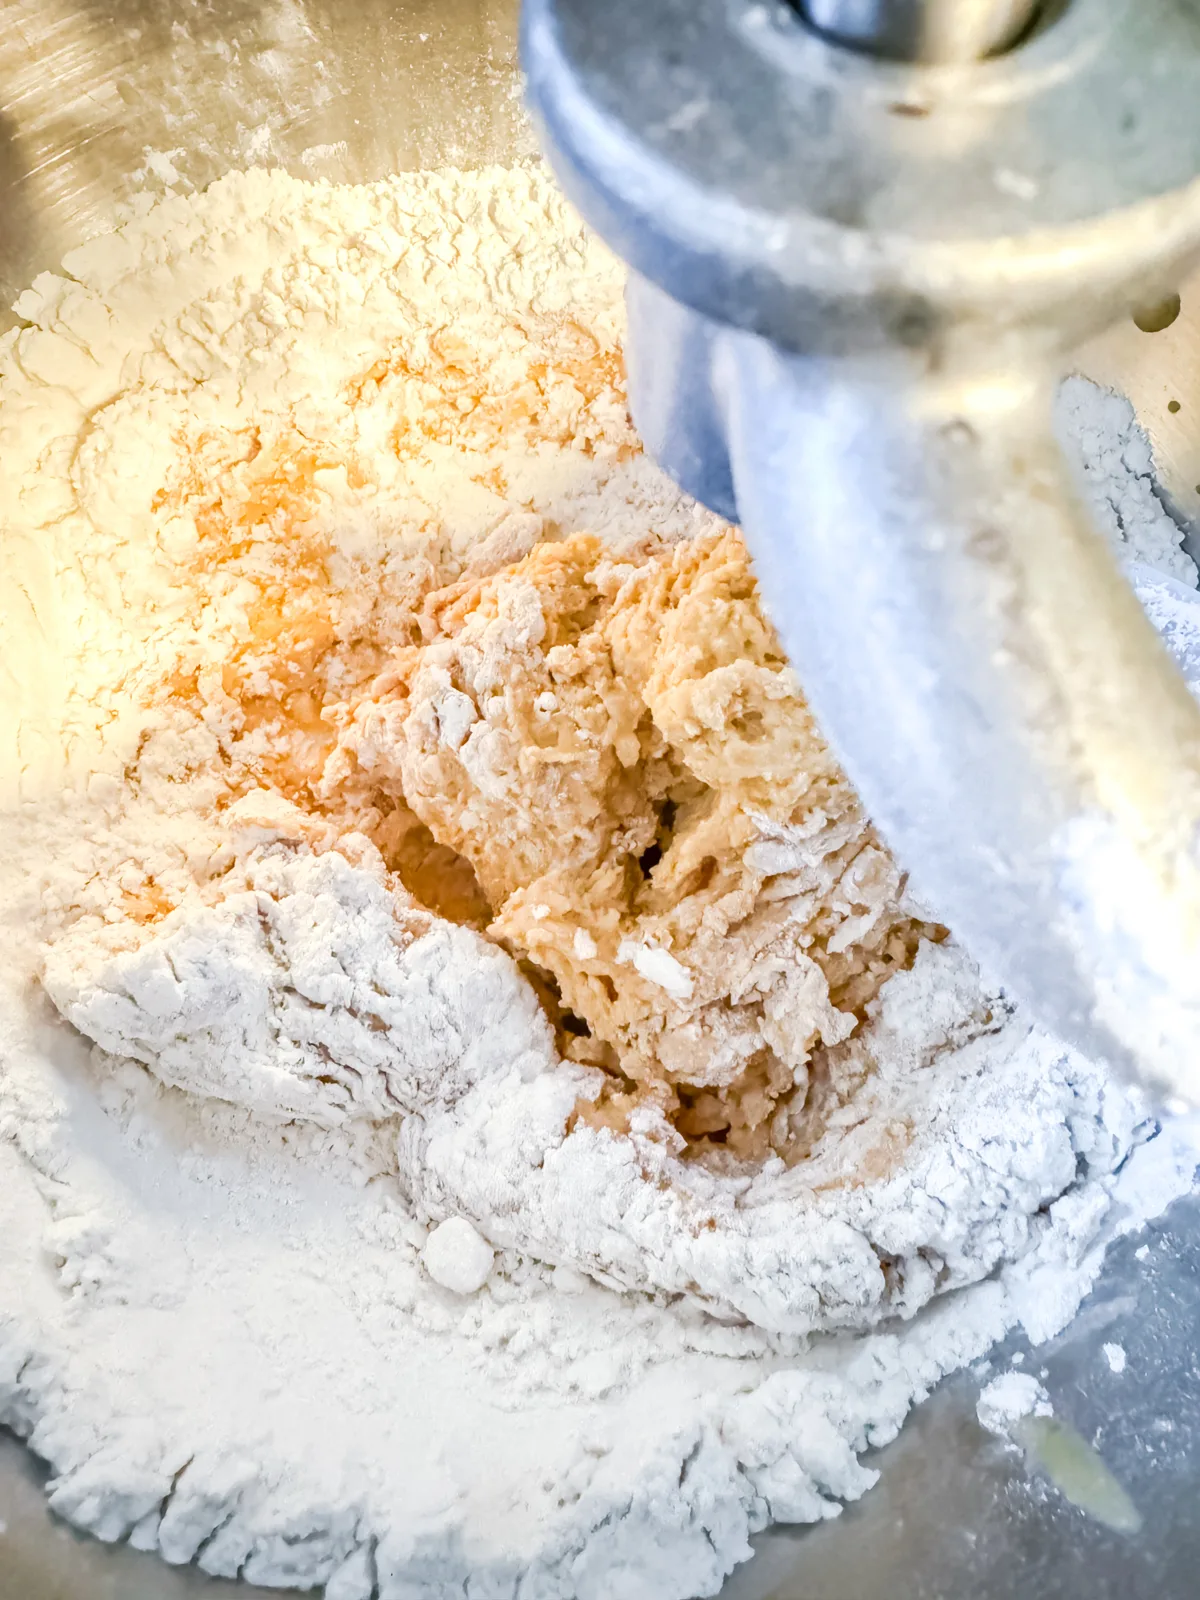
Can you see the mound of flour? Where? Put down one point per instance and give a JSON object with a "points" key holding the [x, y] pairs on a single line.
{"points": [[223, 1338], [307, 992], [234, 1323]]}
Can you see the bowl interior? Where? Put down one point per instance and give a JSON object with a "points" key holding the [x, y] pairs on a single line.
{"points": [[101, 103]]}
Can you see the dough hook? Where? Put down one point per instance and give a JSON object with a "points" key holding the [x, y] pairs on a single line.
{"points": [[865, 236]]}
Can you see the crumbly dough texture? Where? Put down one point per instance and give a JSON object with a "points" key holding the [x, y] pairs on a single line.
{"points": [[613, 739], [306, 984]]}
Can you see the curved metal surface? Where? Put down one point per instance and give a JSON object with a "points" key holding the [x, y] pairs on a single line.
{"points": [[971, 649], [958, 1516], [834, 203], [104, 100], [863, 348], [922, 30]]}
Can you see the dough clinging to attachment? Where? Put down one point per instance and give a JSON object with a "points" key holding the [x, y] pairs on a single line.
{"points": [[615, 742]]}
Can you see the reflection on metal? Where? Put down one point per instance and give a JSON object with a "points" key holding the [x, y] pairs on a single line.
{"points": [[858, 283], [1077, 1471], [923, 30], [321, 88]]}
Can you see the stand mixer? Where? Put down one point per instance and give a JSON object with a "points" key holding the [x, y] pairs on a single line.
{"points": [[865, 237]]}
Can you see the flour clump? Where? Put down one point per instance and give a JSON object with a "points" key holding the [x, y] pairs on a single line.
{"points": [[456, 1257]]}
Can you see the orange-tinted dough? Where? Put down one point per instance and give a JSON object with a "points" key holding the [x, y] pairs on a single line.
{"points": [[616, 744]]}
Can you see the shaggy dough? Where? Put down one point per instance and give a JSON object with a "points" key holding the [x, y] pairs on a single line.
{"points": [[613, 735], [614, 741], [302, 984]]}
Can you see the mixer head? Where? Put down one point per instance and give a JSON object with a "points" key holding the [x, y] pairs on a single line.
{"points": [[865, 237]]}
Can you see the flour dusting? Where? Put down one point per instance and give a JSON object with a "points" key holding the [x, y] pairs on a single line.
{"points": [[1114, 1354], [346, 1243], [1008, 1398]]}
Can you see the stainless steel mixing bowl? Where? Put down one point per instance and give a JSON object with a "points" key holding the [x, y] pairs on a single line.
{"points": [[98, 98]]}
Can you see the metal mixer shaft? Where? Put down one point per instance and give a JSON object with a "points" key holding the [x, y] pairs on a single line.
{"points": [[923, 30], [858, 274]]}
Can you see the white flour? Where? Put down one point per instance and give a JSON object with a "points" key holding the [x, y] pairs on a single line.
{"points": [[1118, 477], [304, 1277], [1114, 1354], [1010, 1397]]}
